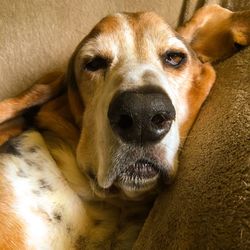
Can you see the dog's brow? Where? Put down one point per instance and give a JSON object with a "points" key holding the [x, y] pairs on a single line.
{"points": [[108, 24], [105, 26], [131, 33], [110, 33], [94, 33], [176, 42]]}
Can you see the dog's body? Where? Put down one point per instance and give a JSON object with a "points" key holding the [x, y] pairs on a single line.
{"points": [[53, 205], [87, 179]]}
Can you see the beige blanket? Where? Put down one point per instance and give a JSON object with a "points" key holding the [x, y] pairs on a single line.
{"points": [[208, 207]]}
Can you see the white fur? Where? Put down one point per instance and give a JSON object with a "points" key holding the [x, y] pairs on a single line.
{"points": [[40, 207]]}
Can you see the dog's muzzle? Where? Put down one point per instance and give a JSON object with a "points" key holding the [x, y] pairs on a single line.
{"points": [[140, 119], [142, 116]]}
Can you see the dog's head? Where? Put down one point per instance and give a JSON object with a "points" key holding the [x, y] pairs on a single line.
{"points": [[134, 88]]}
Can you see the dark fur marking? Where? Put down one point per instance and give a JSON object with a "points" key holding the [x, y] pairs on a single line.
{"points": [[29, 115], [97, 222], [33, 164], [68, 229], [21, 173], [57, 216], [10, 147], [43, 184], [39, 167], [44, 213], [29, 162], [36, 192], [33, 149], [80, 243], [90, 174]]}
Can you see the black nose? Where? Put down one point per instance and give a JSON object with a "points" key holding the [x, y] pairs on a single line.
{"points": [[141, 116]]}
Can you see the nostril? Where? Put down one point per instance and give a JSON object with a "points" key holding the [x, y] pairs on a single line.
{"points": [[141, 116], [125, 122], [160, 120]]}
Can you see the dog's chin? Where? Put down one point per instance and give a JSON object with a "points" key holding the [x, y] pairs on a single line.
{"points": [[135, 181], [134, 173], [139, 177]]}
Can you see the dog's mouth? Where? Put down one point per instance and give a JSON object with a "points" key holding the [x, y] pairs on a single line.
{"points": [[136, 172], [139, 175], [141, 169]]}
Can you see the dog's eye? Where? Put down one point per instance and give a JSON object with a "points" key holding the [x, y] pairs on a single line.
{"points": [[96, 63], [173, 58]]}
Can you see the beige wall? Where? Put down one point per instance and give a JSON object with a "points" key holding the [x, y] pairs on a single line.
{"points": [[37, 36]]}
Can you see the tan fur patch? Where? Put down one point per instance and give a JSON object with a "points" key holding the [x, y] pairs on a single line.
{"points": [[56, 116], [11, 128], [202, 84]]}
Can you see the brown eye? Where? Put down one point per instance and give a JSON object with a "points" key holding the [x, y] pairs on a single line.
{"points": [[173, 58], [96, 63]]}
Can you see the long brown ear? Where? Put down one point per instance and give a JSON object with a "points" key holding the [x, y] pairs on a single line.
{"points": [[63, 115], [215, 33], [42, 91], [11, 109], [74, 98]]}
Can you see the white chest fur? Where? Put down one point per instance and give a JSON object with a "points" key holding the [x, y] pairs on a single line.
{"points": [[52, 213], [50, 207]]}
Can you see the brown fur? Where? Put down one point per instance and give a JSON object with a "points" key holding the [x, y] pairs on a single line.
{"points": [[55, 116], [42, 91], [216, 33], [203, 83], [11, 228], [11, 129]]}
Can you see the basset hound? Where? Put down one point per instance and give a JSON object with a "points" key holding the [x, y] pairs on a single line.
{"points": [[104, 136]]}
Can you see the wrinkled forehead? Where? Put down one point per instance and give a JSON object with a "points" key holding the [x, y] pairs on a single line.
{"points": [[130, 33]]}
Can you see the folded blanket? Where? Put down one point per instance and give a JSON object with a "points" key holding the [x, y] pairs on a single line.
{"points": [[208, 207]]}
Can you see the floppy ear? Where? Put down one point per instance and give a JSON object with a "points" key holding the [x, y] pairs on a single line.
{"points": [[42, 91], [215, 33], [63, 115], [11, 109], [59, 114], [74, 98]]}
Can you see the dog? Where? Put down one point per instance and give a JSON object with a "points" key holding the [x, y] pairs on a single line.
{"points": [[105, 136]]}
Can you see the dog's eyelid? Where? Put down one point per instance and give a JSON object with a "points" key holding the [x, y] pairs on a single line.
{"points": [[95, 63], [174, 58]]}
